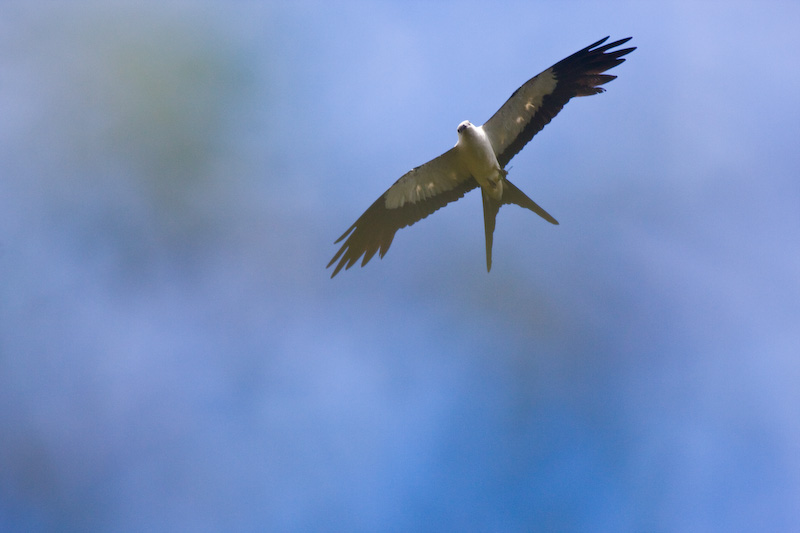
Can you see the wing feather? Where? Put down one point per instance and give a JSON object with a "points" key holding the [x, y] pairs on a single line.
{"points": [[414, 196], [538, 100]]}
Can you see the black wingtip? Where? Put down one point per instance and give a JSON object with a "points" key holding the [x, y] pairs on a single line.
{"points": [[621, 41], [596, 48]]}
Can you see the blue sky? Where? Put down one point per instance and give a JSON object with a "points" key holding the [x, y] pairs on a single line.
{"points": [[174, 356]]}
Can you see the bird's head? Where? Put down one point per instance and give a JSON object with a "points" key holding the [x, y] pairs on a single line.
{"points": [[464, 125]]}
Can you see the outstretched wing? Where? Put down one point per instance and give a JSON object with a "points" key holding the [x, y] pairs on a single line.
{"points": [[417, 194], [533, 105]]}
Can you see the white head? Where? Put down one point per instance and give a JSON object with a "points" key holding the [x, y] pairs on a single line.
{"points": [[464, 125]]}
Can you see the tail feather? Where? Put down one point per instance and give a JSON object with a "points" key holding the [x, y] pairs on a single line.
{"points": [[490, 209], [511, 195]]}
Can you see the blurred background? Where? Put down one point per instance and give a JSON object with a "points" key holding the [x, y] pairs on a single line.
{"points": [[174, 356]]}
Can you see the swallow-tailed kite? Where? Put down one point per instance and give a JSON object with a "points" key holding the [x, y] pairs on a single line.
{"points": [[480, 156]]}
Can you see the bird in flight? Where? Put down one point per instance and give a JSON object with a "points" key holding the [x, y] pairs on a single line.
{"points": [[480, 156]]}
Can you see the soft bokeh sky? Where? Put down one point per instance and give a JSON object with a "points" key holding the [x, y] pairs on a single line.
{"points": [[174, 356]]}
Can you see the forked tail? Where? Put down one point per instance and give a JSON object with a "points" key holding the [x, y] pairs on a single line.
{"points": [[511, 195]]}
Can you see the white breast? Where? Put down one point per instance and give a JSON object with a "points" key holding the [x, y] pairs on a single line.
{"points": [[476, 152]]}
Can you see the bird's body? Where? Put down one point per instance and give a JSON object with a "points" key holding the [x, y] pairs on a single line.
{"points": [[479, 157], [476, 151]]}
